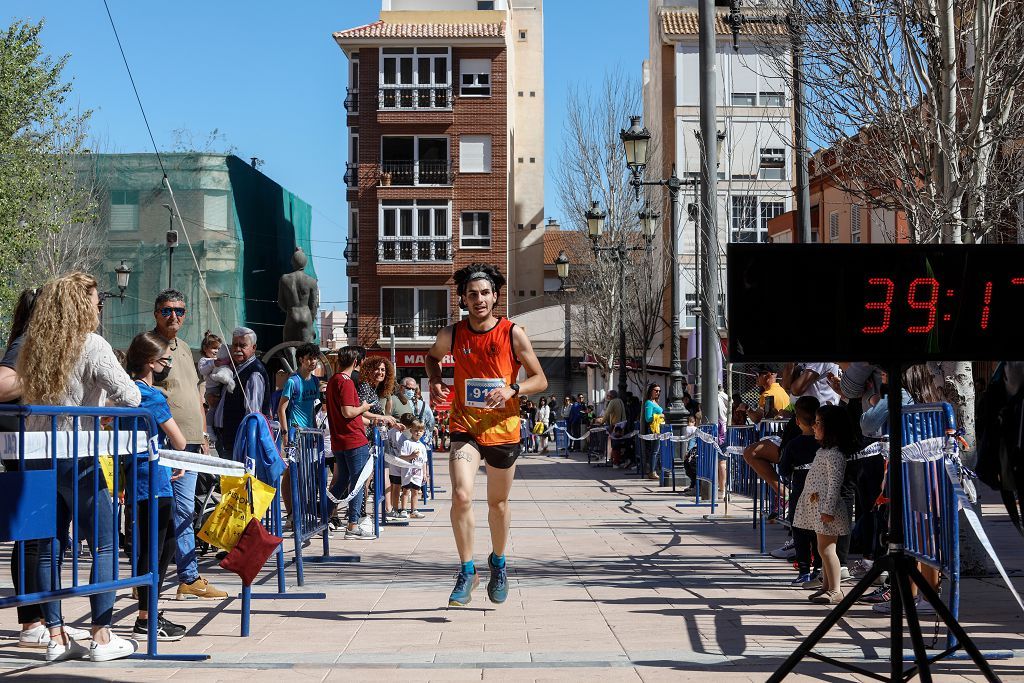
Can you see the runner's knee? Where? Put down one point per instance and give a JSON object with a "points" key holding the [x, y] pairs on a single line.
{"points": [[461, 498]]}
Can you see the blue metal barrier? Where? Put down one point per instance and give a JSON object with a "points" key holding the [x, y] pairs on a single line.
{"points": [[311, 509], [272, 521], [562, 438], [29, 501], [931, 519], [707, 466]]}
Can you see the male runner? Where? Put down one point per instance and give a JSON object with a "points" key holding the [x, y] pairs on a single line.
{"points": [[484, 418]]}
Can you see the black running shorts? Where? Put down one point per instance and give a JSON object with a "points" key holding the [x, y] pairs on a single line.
{"points": [[501, 457]]}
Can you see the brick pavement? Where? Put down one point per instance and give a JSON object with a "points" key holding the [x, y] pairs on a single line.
{"points": [[608, 578]]}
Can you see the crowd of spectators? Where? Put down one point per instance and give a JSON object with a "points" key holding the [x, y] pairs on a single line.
{"points": [[837, 503]]}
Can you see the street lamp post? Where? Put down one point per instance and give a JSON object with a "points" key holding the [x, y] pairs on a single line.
{"points": [[122, 273], [562, 268], [635, 142], [595, 228]]}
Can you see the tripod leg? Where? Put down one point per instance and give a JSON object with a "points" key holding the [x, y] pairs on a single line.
{"points": [[914, 626], [896, 622], [929, 594], [825, 626]]}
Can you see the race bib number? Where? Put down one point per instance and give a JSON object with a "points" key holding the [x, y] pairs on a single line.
{"points": [[477, 390]]}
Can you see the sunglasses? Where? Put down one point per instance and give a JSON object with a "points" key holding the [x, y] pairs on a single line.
{"points": [[166, 312], [167, 361]]}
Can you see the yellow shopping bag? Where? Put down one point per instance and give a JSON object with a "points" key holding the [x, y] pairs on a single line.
{"points": [[228, 520]]}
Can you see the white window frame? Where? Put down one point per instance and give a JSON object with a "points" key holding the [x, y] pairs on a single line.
{"points": [[415, 322], [415, 238], [750, 220], [466, 67], [751, 96], [855, 223], [353, 74], [488, 160], [414, 54], [416, 155], [353, 147], [463, 235], [353, 309], [765, 95], [763, 217], [773, 158]]}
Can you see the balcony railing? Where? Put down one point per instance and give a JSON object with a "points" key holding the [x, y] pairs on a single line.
{"points": [[351, 176], [351, 252], [414, 250], [413, 327], [351, 101], [415, 97], [415, 173]]}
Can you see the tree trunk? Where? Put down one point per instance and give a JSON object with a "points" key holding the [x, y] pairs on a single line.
{"points": [[959, 387]]}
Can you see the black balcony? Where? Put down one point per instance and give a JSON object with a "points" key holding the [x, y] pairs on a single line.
{"points": [[406, 173], [351, 101], [351, 176], [414, 250], [351, 252], [415, 97]]}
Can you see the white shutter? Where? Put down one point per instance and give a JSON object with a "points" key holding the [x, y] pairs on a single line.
{"points": [[124, 216], [743, 78], [687, 75], [475, 154], [215, 210], [744, 147]]}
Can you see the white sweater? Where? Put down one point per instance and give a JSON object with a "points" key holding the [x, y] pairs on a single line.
{"points": [[96, 380]]}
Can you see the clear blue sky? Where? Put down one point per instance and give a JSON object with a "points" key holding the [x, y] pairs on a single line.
{"points": [[268, 75]]}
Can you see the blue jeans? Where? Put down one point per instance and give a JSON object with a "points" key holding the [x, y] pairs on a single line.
{"points": [[184, 514], [349, 464], [102, 545]]}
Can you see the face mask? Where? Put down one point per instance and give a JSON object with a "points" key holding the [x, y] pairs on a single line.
{"points": [[159, 377], [410, 393]]}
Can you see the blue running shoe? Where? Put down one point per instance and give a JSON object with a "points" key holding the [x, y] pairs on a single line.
{"points": [[497, 587], [801, 579], [463, 592]]}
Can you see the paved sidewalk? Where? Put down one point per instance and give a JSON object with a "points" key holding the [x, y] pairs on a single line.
{"points": [[609, 580]]}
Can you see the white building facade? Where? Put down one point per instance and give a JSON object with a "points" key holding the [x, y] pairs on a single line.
{"points": [[754, 111]]}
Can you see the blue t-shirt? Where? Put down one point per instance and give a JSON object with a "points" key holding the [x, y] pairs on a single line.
{"points": [[301, 394], [154, 401]]}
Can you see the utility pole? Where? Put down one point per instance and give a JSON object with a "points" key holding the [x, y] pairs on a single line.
{"points": [[709, 213]]}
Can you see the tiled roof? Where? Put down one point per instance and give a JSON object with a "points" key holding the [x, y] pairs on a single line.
{"points": [[575, 244], [380, 29], [684, 23]]}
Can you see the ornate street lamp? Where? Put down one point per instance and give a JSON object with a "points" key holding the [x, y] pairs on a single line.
{"points": [[562, 268], [595, 221], [635, 141], [122, 275]]}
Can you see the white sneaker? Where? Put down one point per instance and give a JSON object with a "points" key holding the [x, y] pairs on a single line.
{"points": [[844, 576], [783, 551], [56, 652], [359, 534], [366, 524], [117, 648], [77, 633], [416, 514], [37, 637]]}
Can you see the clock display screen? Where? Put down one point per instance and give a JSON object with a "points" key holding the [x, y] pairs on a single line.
{"points": [[875, 302]]}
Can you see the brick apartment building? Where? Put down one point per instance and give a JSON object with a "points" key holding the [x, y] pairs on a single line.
{"points": [[439, 174]]}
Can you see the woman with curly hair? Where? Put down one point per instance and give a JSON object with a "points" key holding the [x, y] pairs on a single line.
{"points": [[376, 386], [63, 362]]}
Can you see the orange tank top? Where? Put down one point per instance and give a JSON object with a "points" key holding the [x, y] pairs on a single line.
{"points": [[483, 361]]}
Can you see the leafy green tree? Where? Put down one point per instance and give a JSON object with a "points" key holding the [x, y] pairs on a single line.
{"points": [[39, 136]]}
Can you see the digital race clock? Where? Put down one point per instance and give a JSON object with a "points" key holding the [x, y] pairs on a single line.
{"points": [[875, 302]]}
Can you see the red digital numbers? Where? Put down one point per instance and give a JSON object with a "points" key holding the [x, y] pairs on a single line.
{"points": [[885, 305], [928, 304], [985, 305]]}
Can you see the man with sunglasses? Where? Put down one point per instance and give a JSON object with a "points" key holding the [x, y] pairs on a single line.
{"points": [[184, 397]]}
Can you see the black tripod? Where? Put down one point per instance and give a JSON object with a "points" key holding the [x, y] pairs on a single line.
{"points": [[902, 570]]}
